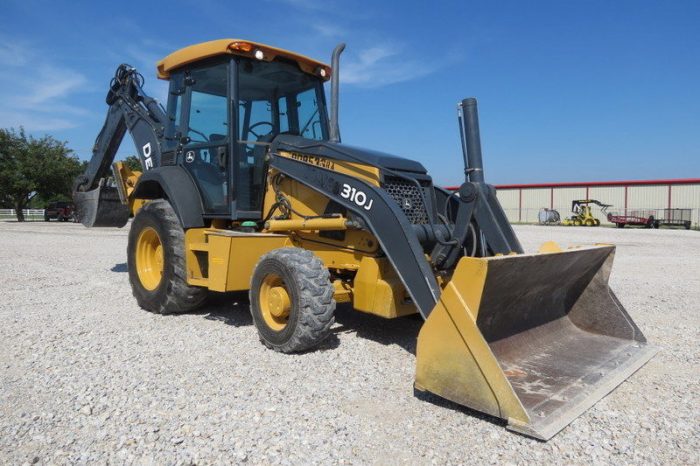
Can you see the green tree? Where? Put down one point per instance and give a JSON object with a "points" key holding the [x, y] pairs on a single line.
{"points": [[133, 163], [31, 167]]}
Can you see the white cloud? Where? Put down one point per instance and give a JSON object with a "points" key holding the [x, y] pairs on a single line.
{"points": [[34, 93], [50, 85], [12, 53], [328, 30], [308, 4], [144, 57], [34, 122], [380, 66], [37, 97]]}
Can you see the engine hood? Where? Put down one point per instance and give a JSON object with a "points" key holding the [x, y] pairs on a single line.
{"points": [[288, 142]]}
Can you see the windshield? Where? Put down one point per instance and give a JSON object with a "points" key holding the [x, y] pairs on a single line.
{"points": [[277, 97]]}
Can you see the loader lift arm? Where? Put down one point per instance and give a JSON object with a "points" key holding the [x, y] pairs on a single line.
{"points": [[400, 240], [130, 108], [575, 204]]}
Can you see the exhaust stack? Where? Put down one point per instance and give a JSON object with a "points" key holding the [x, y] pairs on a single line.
{"points": [[471, 141], [335, 83]]}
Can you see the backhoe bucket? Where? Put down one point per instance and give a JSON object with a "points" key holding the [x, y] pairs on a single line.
{"points": [[535, 339], [100, 207]]}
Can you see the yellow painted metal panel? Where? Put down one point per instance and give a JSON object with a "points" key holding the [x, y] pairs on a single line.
{"points": [[197, 52], [453, 359], [232, 258], [378, 290]]}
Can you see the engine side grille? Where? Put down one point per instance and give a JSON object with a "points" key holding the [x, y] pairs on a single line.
{"points": [[168, 158], [408, 196]]}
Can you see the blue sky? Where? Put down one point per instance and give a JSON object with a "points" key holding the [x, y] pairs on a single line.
{"points": [[568, 91]]}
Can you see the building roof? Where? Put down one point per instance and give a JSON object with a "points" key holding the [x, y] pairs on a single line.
{"points": [[593, 184], [213, 48]]}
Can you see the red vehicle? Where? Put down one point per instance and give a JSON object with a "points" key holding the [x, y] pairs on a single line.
{"points": [[61, 211], [652, 218]]}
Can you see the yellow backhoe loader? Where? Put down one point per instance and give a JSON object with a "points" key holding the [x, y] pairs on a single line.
{"points": [[246, 186]]}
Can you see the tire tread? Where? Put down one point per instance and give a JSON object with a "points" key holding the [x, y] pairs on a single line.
{"points": [[316, 292], [179, 297]]}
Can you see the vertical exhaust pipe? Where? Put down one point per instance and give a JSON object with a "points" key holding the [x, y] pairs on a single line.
{"points": [[335, 83], [471, 141]]}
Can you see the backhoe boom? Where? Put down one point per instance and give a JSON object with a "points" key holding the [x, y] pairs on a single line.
{"points": [[130, 108]]}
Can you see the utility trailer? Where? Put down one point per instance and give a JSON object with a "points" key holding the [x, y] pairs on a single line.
{"points": [[652, 218], [673, 217], [645, 217]]}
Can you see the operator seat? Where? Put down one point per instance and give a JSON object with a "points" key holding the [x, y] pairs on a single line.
{"points": [[211, 177], [259, 166], [253, 174]]}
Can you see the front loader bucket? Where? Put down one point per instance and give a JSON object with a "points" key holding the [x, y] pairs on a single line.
{"points": [[100, 207], [535, 339]]}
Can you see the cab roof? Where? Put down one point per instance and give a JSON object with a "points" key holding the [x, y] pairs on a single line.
{"points": [[198, 52]]}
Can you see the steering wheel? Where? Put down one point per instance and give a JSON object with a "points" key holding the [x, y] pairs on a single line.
{"points": [[192, 130], [260, 123]]}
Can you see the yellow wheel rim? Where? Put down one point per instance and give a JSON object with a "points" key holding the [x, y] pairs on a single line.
{"points": [[275, 303], [149, 258]]}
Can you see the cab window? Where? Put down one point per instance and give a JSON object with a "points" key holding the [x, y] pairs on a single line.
{"points": [[208, 105], [273, 98]]}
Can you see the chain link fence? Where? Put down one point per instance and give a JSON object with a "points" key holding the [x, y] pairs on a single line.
{"points": [[531, 216]]}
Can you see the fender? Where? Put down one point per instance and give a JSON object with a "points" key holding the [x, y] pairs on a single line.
{"points": [[175, 185]]}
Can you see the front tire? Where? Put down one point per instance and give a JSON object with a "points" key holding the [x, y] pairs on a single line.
{"points": [[291, 300], [156, 262]]}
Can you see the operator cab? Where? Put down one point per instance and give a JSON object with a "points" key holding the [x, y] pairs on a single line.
{"points": [[225, 111]]}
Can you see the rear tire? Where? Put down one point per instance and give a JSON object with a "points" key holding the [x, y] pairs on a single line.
{"points": [[620, 225], [291, 300], [156, 226]]}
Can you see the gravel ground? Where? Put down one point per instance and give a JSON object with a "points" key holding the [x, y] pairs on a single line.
{"points": [[86, 376]]}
